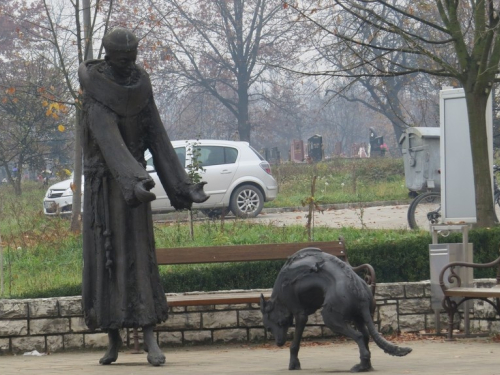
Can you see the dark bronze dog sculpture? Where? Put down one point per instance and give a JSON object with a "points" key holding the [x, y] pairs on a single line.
{"points": [[311, 279]]}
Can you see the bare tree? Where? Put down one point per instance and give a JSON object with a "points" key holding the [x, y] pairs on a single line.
{"points": [[404, 100], [289, 112], [59, 36], [195, 113], [27, 134], [30, 122], [383, 94], [224, 48], [458, 40]]}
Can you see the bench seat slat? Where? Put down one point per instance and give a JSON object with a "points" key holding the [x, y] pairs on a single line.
{"points": [[242, 253], [216, 298], [473, 292]]}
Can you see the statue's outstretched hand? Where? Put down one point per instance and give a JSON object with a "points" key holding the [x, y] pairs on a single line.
{"points": [[142, 193], [197, 194]]}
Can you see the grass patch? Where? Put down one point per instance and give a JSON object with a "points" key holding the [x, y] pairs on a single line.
{"points": [[44, 271], [341, 181]]}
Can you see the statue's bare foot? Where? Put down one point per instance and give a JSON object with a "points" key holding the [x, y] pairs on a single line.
{"points": [[115, 343], [155, 355]]}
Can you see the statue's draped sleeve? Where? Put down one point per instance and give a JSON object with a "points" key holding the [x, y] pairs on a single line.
{"points": [[125, 169], [171, 173]]}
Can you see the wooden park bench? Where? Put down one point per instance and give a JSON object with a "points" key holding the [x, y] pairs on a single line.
{"points": [[243, 253], [467, 293]]}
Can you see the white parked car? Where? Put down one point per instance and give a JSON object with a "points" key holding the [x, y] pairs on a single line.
{"points": [[237, 176]]}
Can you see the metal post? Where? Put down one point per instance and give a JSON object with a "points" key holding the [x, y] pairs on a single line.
{"points": [[434, 233], [437, 317], [1, 266], [136, 340], [465, 248], [135, 337]]}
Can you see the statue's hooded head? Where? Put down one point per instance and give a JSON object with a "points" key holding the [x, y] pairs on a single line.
{"points": [[121, 51], [120, 40]]}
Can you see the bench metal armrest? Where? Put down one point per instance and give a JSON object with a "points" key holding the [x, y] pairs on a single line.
{"points": [[453, 276], [369, 275]]}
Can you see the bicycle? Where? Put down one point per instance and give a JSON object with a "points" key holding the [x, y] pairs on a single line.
{"points": [[425, 209]]}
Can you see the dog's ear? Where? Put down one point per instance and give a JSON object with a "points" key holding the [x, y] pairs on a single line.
{"points": [[262, 303], [266, 306]]}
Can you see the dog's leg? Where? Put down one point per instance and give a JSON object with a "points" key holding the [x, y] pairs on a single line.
{"points": [[300, 324], [336, 322], [360, 325]]}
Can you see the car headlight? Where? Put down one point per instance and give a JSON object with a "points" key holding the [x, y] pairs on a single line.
{"points": [[67, 193]]}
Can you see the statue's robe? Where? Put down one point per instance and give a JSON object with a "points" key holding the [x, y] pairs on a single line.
{"points": [[121, 283]]}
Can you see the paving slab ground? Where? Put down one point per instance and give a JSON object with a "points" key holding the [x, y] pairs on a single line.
{"points": [[375, 217], [429, 357]]}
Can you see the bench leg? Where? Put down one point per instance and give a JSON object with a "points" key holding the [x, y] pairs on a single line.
{"points": [[451, 308]]}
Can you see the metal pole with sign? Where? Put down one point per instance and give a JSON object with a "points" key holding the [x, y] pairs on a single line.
{"points": [[458, 199]]}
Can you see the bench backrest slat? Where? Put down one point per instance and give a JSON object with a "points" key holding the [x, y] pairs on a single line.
{"points": [[242, 253]]}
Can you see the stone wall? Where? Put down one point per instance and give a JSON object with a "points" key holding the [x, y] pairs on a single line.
{"points": [[56, 324]]}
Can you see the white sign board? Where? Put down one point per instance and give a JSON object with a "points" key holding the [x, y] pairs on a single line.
{"points": [[458, 202]]}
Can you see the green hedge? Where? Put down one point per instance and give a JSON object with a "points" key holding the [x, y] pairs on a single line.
{"points": [[225, 276], [393, 260]]}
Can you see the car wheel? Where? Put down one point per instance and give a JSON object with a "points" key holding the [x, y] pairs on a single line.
{"points": [[246, 201], [215, 213]]}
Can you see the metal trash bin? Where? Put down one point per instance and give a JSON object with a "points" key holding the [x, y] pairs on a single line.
{"points": [[420, 148], [439, 256]]}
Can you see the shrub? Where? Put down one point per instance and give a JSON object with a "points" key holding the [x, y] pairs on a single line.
{"points": [[224, 276]]}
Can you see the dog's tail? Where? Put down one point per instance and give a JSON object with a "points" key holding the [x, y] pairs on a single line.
{"points": [[385, 345]]}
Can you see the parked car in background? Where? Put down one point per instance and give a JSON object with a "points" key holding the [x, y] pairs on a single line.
{"points": [[237, 176], [58, 199]]}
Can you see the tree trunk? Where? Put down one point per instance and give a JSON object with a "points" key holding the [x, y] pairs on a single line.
{"points": [[77, 175], [311, 207], [398, 127], [17, 186], [244, 126], [476, 108], [191, 226], [19, 174], [243, 117]]}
